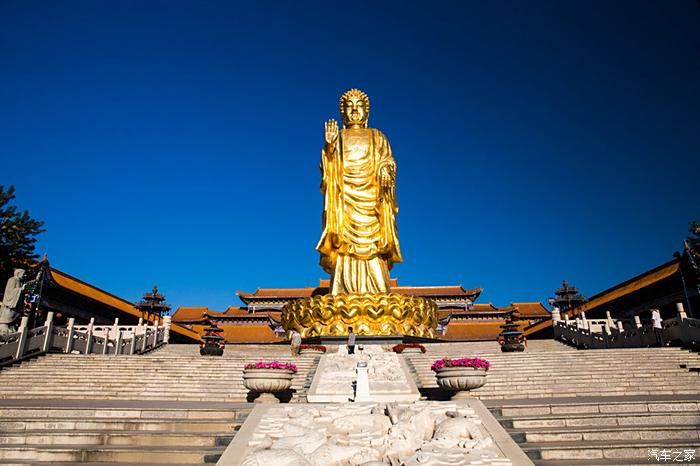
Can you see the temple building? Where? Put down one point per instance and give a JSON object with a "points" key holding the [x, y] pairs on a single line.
{"points": [[675, 281], [460, 318], [67, 296]]}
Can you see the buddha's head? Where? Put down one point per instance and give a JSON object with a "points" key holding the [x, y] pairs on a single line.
{"points": [[354, 109]]}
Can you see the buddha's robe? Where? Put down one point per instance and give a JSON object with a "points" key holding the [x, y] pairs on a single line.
{"points": [[359, 243]]}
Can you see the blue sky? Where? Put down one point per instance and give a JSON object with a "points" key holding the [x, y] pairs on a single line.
{"points": [[178, 143]]}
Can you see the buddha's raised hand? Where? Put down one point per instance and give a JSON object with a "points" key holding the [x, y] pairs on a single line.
{"points": [[331, 127]]}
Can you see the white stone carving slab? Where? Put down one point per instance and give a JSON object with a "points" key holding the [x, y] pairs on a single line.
{"points": [[425, 433], [388, 376]]}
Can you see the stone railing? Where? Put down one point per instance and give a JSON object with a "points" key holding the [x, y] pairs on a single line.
{"points": [[612, 333], [81, 339]]}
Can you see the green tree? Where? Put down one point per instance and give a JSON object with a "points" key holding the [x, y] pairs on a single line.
{"points": [[694, 238], [17, 236]]}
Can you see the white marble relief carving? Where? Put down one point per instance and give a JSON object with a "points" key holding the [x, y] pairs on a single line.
{"points": [[372, 434]]}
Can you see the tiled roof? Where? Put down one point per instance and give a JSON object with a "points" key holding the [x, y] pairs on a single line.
{"points": [[630, 286], [202, 314], [286, 293], [479, 307], [190, 314], [291, 293], [436, 291], [532, 310], [244, 334], [235, 311], [79, 287], [472, 331]]}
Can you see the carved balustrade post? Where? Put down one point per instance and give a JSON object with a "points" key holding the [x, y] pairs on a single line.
{"points": [[137, 331], [88, 336], [609, 319], [69, 342], [556, 315], [22, 337], [144, 340], [155, 333], [117, 336], [48, 336], [106, 340], [167, 321]]}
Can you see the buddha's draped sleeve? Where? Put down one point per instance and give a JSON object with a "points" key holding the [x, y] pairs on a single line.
{"points": [[388, 206], [332, 209]]}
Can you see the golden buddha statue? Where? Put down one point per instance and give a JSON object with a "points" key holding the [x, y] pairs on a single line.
{"points": [[359, 243]]}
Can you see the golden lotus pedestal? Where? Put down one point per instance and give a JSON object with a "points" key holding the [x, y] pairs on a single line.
{"points": [[383, 314]]}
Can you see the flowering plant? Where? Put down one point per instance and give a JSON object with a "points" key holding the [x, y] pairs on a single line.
{"points": [[476, 363], [271, 365], [313, 347], [402, 346]]}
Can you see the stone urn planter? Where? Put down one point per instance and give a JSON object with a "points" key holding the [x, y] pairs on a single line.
{"points": [[268, 380], [460, 375]]}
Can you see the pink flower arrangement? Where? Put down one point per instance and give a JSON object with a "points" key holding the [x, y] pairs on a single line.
{"points": [[272, 365], [476, 363], [402, 346]]}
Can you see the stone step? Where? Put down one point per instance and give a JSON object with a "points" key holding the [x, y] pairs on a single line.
{"points": [[143, 386], [608, 462], [606, 407], [589, 388], [240, 398], [647, 433], [95, 437], [145, 380], [55, 412], [596, 431], [132, 425], [81, 463], [111, 453], [503, 379], [612, 419], [628, 450], [559, 366], [491, 386]]}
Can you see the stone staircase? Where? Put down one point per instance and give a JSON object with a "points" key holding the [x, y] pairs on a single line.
{"points": [[134, 432], [603, 431], [595, 407], [171, 406], [571, 373], [176, 372]]}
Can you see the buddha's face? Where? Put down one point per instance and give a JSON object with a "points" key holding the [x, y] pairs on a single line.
{"points": [[355, 112]]}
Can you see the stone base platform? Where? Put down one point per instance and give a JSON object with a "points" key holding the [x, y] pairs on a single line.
{"points": [[419, 433]]}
